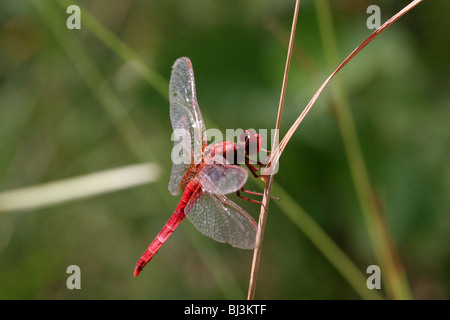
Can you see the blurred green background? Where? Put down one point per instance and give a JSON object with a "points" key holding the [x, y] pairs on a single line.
{"points": [[76, 102]]}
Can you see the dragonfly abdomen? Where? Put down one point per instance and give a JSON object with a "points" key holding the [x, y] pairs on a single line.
{"points": [[168, 229]]}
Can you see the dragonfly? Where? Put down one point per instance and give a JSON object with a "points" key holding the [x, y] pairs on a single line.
{"points": [[207, 174]]}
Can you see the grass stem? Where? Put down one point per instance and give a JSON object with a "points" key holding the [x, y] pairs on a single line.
{"points": [[267, 189]]}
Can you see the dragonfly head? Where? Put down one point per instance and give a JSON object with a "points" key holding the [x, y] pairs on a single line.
{"points": [[252, 140]]}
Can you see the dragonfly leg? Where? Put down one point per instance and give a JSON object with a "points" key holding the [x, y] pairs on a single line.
{"points": [[254, 170], [238, 193], [257, 193]]}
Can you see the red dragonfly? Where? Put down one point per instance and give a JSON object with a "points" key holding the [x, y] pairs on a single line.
{"points": [[205, 176]]}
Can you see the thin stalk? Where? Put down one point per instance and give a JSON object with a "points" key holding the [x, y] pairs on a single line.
{"points": [[267, 189]]}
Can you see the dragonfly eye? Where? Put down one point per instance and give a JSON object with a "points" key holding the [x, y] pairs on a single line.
{"points": [[245, 135]]}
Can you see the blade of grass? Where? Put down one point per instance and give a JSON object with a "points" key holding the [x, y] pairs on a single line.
{"points": [[394, 278], [267, 189]]}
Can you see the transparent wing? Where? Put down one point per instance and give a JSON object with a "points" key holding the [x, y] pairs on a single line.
{"points": [[219, 218], [181, 160], [186, 120], [222, 179]]}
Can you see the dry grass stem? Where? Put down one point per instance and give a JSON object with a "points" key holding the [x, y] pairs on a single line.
{"points": [[267, 189]]}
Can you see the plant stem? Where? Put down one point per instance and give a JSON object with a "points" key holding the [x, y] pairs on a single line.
{"points": [[267, 189]]}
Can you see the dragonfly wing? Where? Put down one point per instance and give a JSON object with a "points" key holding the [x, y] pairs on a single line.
{"points": [[221, 219], [222, 179], [187, 122], [181, 158], [176, 185]]}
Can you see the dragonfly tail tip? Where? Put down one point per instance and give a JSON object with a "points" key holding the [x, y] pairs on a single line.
{"points": [[137, 270]]}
